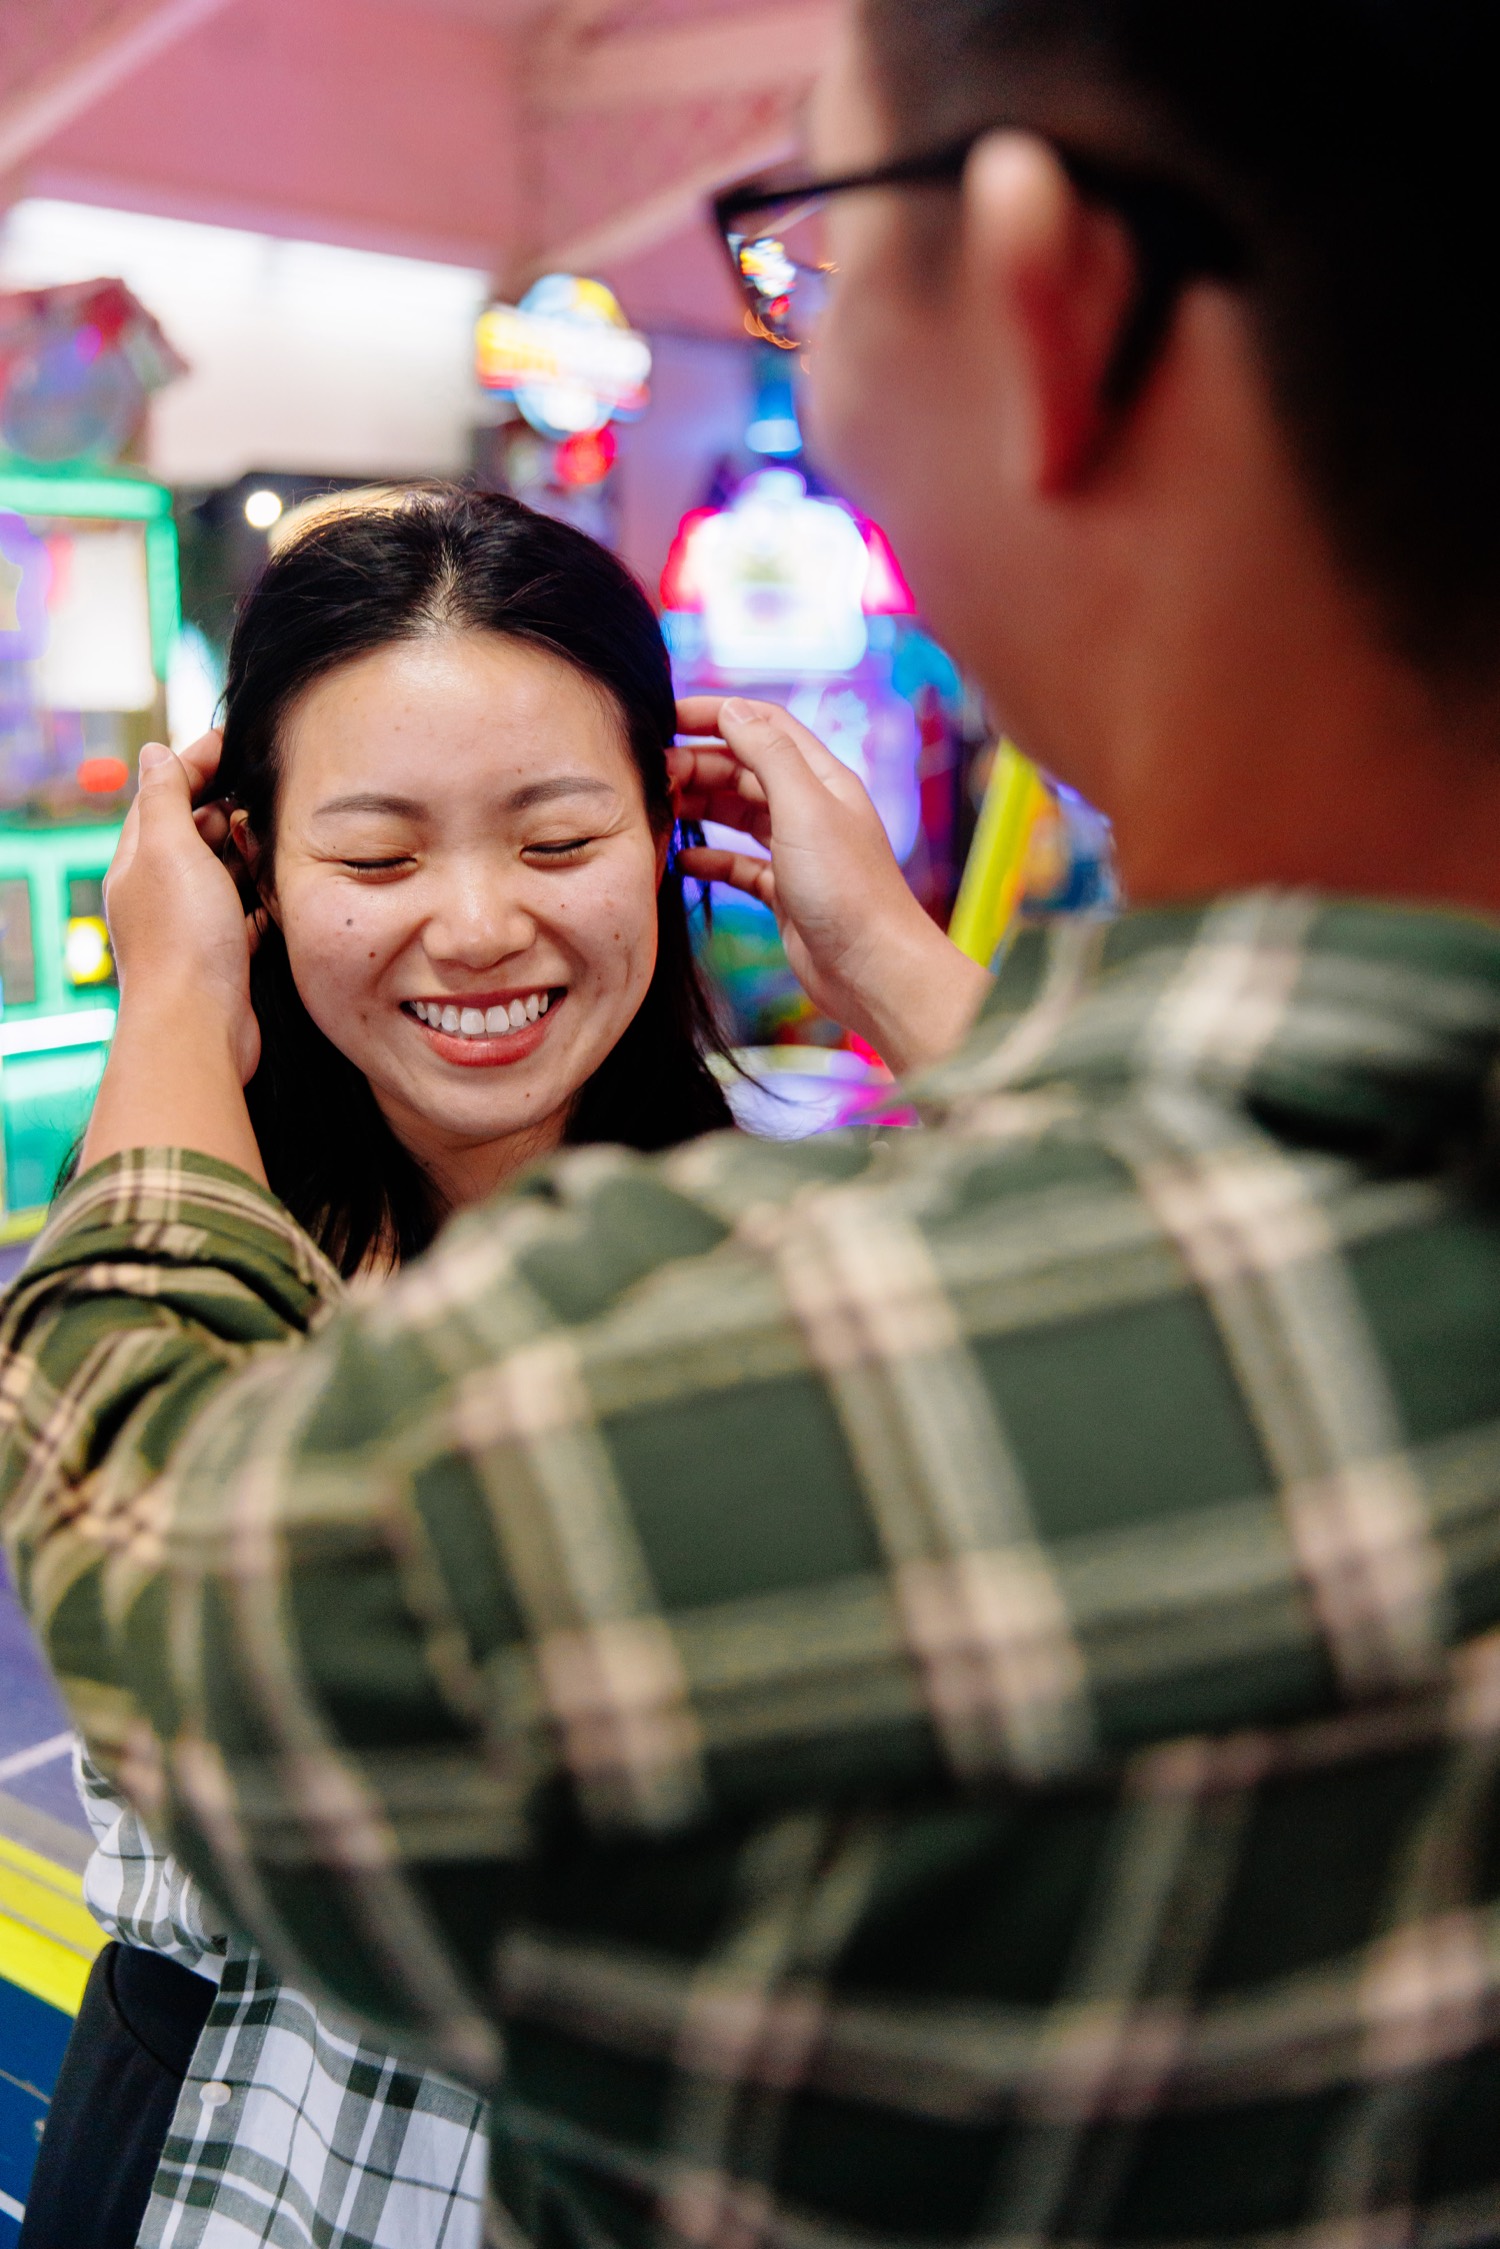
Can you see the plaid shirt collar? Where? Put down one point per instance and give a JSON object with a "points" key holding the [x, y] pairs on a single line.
{"points": [[1366, 1028]]}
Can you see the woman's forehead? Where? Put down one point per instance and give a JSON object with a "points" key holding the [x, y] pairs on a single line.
{"points": [[454, 713]]}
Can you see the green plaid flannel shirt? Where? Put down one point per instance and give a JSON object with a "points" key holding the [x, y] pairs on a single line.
{"points": [[938, 1688]]}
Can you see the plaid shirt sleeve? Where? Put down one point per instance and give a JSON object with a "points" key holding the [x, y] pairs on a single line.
{"points": [[929, 1687]]}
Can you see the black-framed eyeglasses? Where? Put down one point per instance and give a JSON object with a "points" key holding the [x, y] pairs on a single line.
{"points": [[773, 233]]}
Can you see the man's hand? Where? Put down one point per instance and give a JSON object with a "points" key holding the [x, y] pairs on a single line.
{"points": [[186, 1040], [176, 923], [858, 942]]}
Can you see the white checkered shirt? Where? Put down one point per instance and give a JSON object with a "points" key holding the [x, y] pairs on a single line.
{"points": [[291, 2131]]}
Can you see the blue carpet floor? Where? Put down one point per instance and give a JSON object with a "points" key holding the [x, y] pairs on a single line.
{"points": [[32, 2038], [39, 1809]]}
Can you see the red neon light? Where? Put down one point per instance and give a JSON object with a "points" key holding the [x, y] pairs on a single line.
{"points": [[586, 458], [102, 776], [886, 593], [679, 581]]}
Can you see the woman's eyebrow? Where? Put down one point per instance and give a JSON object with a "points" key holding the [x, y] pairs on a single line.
{"points": [[521, 800], [561, 785], [398, 808]]}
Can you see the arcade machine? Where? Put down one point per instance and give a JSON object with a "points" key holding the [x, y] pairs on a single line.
{"points": [[88, 616], [88, 612], [1040, 850], [781, 591]]}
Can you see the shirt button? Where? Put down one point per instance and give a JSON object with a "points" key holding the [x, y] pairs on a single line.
{"points": [[214, 2094]]}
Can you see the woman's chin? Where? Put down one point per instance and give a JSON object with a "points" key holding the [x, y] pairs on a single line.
{"points": [[466, 1106], [446, 1095], [435, 1128]]}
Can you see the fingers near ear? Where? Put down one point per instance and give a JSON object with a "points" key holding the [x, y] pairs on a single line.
{"points": [[200, 760], [165, 793], [772, 744], [698, 715], [715, 719], [155, 763], [737, 868], [715, 773]]}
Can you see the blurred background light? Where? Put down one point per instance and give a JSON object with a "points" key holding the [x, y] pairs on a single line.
{"points": [[301, 355]]}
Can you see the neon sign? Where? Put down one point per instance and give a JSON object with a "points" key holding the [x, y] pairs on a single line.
{"points": [[567, 355], [784, 583]]}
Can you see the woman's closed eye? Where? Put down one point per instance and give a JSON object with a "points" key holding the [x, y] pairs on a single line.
{"points": [[394, 863], [559, 853]]}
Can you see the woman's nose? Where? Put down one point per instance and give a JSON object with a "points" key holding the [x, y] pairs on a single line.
{"points": [[477, 924]]}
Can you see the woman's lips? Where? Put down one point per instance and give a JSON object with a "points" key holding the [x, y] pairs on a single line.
{"points": [[490, 1053]]}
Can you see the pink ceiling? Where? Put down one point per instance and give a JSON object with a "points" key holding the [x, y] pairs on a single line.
{"points": [[509, 134], [372, 123]]}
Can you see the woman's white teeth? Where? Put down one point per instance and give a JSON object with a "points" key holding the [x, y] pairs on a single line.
{"points": [[481, 1023]]}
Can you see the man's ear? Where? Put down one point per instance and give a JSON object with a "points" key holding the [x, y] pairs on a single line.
{"points": [[1057, 276]]}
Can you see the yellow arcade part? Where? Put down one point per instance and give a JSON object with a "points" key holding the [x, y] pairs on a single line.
{"points": [[48, 1939], [996, 870]]}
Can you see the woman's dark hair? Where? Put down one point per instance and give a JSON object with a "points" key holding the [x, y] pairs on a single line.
{"points": [[1351, 145], [439, 561]]}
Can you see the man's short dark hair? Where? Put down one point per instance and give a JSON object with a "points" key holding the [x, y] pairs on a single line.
{"points": [[1354, 145]]}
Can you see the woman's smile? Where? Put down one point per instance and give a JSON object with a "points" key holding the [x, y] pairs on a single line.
{"points": [[486, 1030]]}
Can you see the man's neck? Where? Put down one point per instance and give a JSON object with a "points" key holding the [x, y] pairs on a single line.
{"points": [[1243, 713], [1180, 637], [1356, 782]]}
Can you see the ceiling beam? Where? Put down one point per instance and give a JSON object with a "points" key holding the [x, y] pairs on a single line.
{"points": [[773, 46], [123, 38]]}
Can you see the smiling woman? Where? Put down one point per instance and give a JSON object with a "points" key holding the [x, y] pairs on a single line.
{"points": [[445, 758]]}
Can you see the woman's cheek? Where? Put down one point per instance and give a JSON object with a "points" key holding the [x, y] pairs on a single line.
{"points": [[337, 949], [624, 936]]}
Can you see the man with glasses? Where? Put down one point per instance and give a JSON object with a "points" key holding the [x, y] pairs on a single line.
{"points": [[942, 1690]]}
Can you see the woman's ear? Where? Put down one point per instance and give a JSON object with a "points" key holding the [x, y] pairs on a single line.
{"points": [[252, 855], [664, 852]]}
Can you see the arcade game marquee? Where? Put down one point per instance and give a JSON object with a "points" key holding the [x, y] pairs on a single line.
{"points": [[88, 614]]}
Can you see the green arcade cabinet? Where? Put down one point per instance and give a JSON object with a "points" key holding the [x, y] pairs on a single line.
{"points": [[88, 615]]}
